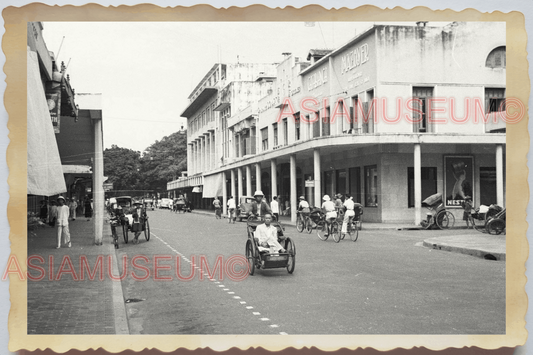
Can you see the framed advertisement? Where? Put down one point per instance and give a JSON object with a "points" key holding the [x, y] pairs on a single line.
{"points": [[458, 179]]}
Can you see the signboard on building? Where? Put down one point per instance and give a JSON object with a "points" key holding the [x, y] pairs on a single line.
{"points": [[458, 179], [53, 99], [309, 183], [108, 186]]}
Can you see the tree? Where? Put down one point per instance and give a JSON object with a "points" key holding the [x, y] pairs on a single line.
{"points": [[122, 167]]}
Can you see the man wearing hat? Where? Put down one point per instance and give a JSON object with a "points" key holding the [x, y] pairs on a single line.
{"points": [[260, 206], [72, 207], [62, 222], [328, 207]]}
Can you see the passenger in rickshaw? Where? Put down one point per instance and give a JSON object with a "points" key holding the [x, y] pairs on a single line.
{"points": [[136, 226], [328, 207], [260, 207], [266, 236]]}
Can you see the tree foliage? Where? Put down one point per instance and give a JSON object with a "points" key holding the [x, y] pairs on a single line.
{"points": [[160, 163]]}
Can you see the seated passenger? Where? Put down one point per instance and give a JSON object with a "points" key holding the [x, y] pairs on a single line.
{"points": [[267, 236]]}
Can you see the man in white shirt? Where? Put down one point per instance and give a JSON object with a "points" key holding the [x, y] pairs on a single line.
{"points": [[349, 205], [231, 210], [328, 207], [274, 206], [267, 236], [62, 222]]}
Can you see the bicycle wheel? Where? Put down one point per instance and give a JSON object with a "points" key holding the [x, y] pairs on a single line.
{"points": [[250, 257], [125, 233], [445, 220], [291, 249], [353, 230], [147, 230], [495, 226], [321, 231], [336, 231], [308, 225], [299, 224]]}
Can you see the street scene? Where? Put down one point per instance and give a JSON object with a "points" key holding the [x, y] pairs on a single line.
{"points": [[350, 183]]}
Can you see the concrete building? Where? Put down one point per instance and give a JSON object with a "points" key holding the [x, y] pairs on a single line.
{"points": [[393, 116]]}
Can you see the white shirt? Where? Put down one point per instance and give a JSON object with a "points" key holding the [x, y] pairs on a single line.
{"points": [[349, 204], [62, 215], [329, 206], [274, 206], [231, 203], [303, 204]]}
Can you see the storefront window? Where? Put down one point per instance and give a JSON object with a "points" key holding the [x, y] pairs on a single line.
{"points": [[429, 183], [297, 126], [421, 101], [355, 184], [487, 185], [275, 134], [264, 139], [371, 186]]}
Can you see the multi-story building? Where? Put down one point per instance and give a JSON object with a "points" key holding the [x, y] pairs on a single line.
{"points": [[393, 116]]}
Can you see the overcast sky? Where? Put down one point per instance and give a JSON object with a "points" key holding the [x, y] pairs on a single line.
{"points": [[146, 70]]}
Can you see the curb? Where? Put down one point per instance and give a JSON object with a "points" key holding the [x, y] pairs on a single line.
{"points": [[119, 308], [479, 253]]}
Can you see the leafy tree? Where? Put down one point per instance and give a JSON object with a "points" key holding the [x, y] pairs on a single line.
{"points": [[122, 167]]}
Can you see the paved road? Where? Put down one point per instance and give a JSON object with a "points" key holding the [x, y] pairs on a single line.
{"points": [[385, 283]]}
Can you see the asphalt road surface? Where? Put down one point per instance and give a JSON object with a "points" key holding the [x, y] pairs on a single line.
{"points": [[385, 283]]}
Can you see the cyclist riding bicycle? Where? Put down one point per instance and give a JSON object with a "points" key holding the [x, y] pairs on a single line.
{"points": [[303, 206], [349, 213], [328, 207]]}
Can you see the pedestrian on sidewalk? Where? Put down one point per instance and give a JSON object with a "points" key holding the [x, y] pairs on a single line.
{"points": [[72, 207], [62, 223], [88, 208], [136, 225], [52, 214], [467, 214], [218, 208], [231, 210], [43, 211], [274, 206]]}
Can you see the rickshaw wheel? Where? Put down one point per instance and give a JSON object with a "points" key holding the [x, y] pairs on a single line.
{"points": [[321, 231], [445, 220], [353, 230], [125, 233], [335, 230], [300, 224], [291, 249], [250, 256], [146, 230], [495, 226]]}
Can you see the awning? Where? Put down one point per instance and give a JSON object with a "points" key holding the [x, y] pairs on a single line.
{"points": [[45, 173], [77, 169], [212, 186]]}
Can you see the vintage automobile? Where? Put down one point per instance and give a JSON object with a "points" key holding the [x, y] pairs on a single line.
{"points": [[149, 203], [128, 206], [166, 203], [244, 207]]}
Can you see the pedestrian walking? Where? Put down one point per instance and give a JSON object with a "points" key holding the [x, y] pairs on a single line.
{"points": [[231, 210], [274, 206], [43, 211], [62, 223], [52, 214], [88, 208], [467, 214], [136, 225], [218, 208], [73, 205]]}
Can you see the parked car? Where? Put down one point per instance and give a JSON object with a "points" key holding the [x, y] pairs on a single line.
{"points": [[166, 203], [149, 203], [244, 207]]}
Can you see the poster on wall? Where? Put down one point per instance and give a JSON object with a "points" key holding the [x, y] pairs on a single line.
{"points": [[458, 179], [53, 101]]}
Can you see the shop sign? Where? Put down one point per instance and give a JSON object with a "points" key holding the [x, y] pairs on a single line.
{"points": [[354, 58], [318, 78], [458, 179], [53, 99], [309, 183], [108, 186]]}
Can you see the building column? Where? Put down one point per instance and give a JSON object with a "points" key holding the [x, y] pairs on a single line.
{"points": [[499, 176], [208, 152], [224, 195], [213, 152], [249, 191], [98, 183], [317, 177], [196, 156], [232, 183], [239, 184], [202, 153], [258, 176], [274, 177], [293, 195], [418, 184]]}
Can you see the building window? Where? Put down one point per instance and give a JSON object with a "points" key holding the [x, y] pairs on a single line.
{"points": [[297, 126], [264, 138], [487, 185], [429, 183], [496, 58], [494, 100], [325, 123], [316, 124], [353, 115], [371, 186], [285, 131], [355, 183], [275, 125], [368, 113], [421, 96]]}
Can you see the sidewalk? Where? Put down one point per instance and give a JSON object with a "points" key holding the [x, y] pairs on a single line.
{"points": [[63, 305], [490, 247]]}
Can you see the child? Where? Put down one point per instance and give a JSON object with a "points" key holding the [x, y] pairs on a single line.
{"points": [[467, 214], [62, 222]]}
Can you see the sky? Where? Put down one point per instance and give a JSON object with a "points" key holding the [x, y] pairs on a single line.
{"points": [[145, 71]]}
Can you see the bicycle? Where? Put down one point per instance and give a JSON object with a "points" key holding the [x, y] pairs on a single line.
{"points": [[355, 224], [114, 221], [302, 222], [325, 229], [439, 217]]}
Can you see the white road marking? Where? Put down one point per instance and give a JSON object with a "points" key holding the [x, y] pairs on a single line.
{"points": [[231, 293], [283, 333], [256, 313], [249, 307], [264, 319], [237, 297], [274, 326]]}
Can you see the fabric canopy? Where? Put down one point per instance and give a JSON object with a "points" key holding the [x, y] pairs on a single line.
{"points": [[45, 173], [212, 186]]}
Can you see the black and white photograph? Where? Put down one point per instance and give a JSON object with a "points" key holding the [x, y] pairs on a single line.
{"points": [[248, 178]]}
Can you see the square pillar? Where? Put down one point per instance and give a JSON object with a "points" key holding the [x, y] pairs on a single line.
{"points": [[258, 176], [499, 176], [317, 177], [274, 177], [293, 203], [418, 183], [249, 191]]}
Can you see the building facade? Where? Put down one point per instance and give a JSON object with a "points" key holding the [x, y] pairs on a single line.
{"points": [[393, 116]]}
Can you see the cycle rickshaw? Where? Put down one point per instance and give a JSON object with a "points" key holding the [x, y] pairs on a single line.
{"points": [[259, 258], [437, 215], [126, 219]]}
